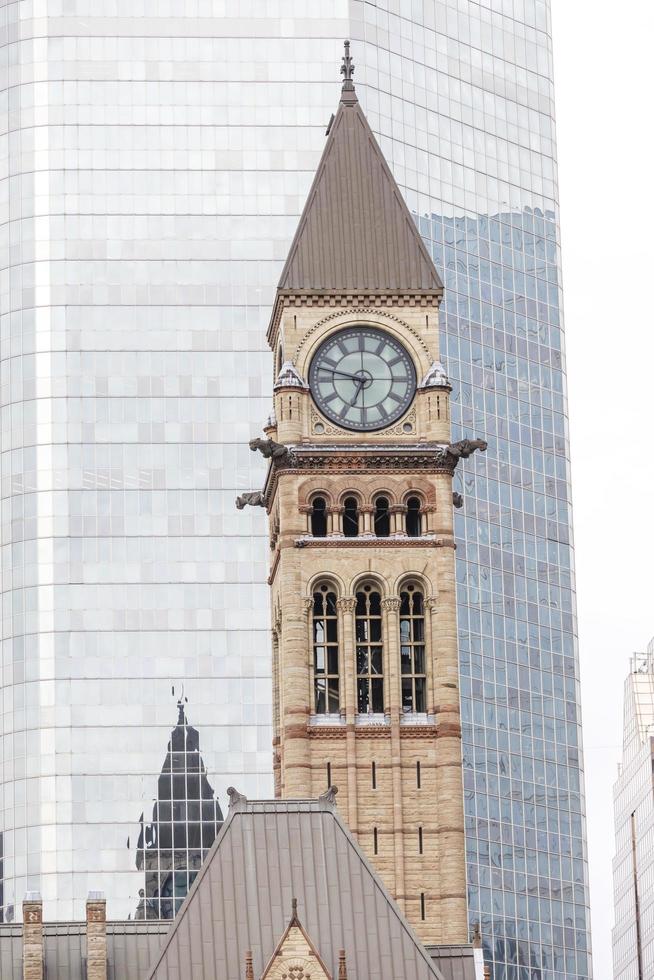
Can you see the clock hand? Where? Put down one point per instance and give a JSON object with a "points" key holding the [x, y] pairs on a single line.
{"points": [[354, 377], [362, 381]]}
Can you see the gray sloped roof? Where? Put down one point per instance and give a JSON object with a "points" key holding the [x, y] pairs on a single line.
{"points": [[268, 853], [131, 947], [356, 233]]}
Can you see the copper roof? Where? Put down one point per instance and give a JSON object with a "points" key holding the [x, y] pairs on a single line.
{"points": [[356, 233], [268, 853]]}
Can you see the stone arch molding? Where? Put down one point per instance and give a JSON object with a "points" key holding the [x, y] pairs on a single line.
{"points": [[355, 311]]}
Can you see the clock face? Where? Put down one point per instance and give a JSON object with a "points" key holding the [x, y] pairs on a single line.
{"points": [[362, 378]]}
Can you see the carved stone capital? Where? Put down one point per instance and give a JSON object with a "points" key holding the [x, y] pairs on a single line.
{"points": [[392, 603], [397, 509], [347, 603], [431, 601], [307, 604]]}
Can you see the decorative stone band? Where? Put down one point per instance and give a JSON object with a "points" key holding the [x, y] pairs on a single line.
{"points": [[433, 458], [422, 732], [333, 298], [426, 541]]}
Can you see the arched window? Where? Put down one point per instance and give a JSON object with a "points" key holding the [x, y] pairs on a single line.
{"points": [[351, 517], [368, 626], [324, 633], [319, 518], [412, 650], [382, 518], [413, 518]]}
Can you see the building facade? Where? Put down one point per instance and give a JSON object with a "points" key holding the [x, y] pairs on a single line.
{"points": [[156, 160], [633, 795]]}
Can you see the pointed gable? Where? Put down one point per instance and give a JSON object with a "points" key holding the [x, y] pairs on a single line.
{"points": [[356, 234], [295, 956], [267, 853]]}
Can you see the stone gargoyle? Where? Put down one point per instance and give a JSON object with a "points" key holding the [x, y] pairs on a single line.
{"points": [[268, 448], [253, 498], [466, 447], [457, 499]]}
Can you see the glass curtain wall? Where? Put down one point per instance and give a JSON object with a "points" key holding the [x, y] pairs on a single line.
{"points": [[156, 158]]}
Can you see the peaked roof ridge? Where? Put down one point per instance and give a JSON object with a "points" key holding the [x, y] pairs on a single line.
{"points": [[356, 234], [180, 926]]}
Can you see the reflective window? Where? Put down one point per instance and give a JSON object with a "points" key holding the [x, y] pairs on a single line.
{"points": [[382, 518], [412, 650], [351, 518], [368, 625], [325, 651], [185, 820], [413, 517], [319, 518]]}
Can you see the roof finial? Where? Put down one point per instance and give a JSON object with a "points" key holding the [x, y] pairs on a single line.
{"points": [[347, 71]]}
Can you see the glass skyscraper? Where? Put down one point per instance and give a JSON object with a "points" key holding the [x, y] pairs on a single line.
{"points": [[633, 799], [154, 159]]}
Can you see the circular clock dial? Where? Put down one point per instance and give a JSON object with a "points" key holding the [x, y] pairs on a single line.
{"points": [[362, 378]]}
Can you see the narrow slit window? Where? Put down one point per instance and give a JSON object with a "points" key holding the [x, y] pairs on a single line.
{"points": [[329, 775], [324, 627], [369, 651], [374, 775], [418, 775], [412, 651], [413, 518], [419, 840], [351, 518], [319, 518], [375, 840], [422, 906], [382, 518]]}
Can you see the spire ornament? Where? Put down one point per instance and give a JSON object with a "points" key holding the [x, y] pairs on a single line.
{"points": [[348, 95]]}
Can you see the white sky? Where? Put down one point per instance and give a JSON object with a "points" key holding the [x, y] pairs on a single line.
{"points": [[604, 76]]}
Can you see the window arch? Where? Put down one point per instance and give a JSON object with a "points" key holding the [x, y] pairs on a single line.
{"points": [[319, 517], [413, 517], [369, 650], [382, 518], [412, 650], [351, 517], [324, 638]]}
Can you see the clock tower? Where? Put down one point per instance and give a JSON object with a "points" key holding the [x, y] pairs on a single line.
{"points": [[359, 497]]}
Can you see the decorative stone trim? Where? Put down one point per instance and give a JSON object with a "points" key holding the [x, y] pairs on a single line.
{"points": [[416, 719], [366, 541], [352, 302], [391, 602], [436, 378], [326, 721], [375, 720], [324, 731], [347, 603], [357, 311], [289, 377]]}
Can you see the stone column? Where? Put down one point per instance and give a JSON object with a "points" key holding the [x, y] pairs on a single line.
{"points": [[391, 607], [335, 522], [307, 510], [449, 772], [348, 669], [366, 529], [96, 936], [33, 955], [398, 519], [295, 681]]}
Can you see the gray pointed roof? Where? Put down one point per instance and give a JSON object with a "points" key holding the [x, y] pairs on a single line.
{"points": [[356, 234], [268, 853]]}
